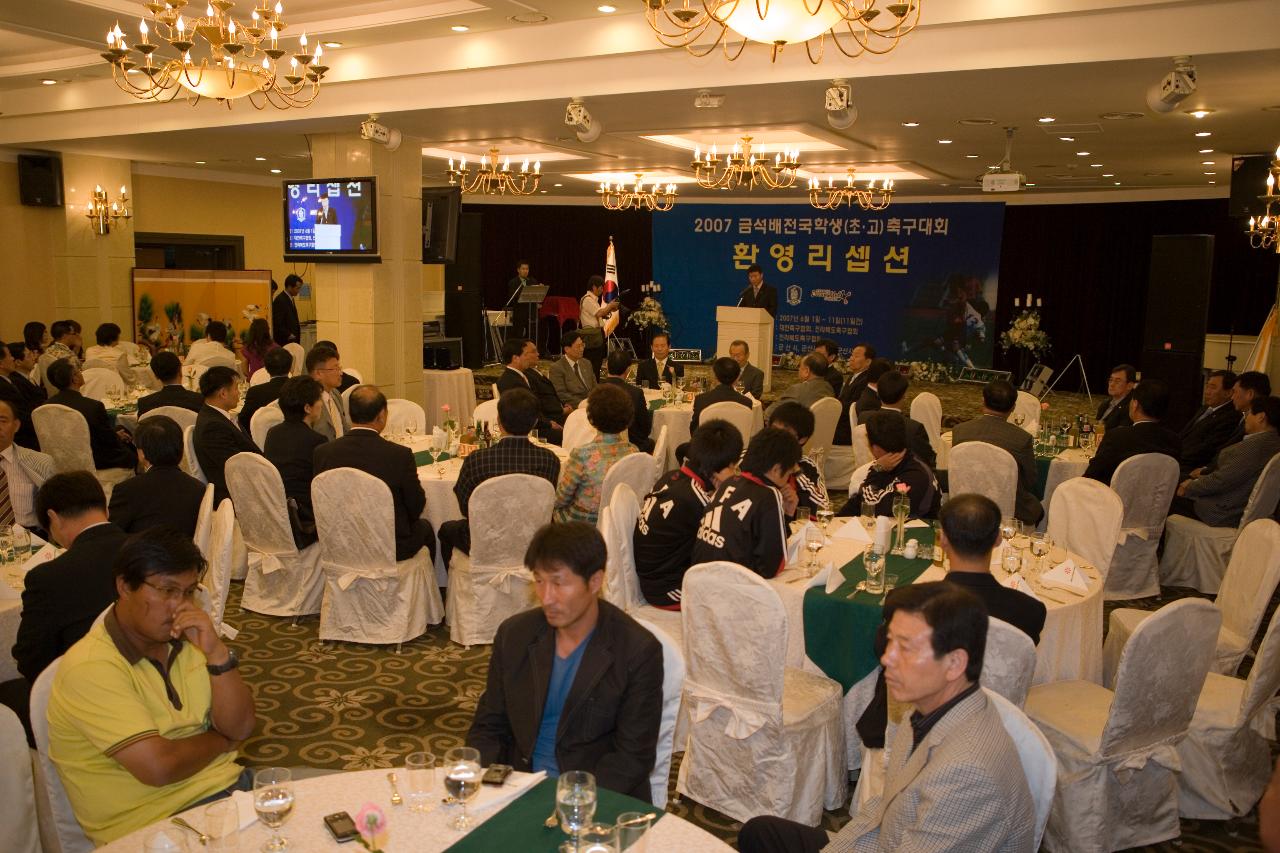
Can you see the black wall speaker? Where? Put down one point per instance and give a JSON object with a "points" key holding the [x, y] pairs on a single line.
{"points": [[40, 180], [1177, 316], [463, 302], [1248, 181], [441, 207]]}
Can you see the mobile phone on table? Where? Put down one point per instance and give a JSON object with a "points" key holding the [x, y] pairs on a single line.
{"points": [[341, 827], [496, 774]]}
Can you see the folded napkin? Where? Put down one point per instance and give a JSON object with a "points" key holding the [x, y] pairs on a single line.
{"points": [[795, 544], [493, 796], [1019, 583], [916, 524], [852, 530], [439, 438], [1066, 576], [884, 533], [831, 578], [244, 808]]}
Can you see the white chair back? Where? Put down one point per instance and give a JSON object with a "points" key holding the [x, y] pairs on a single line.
{"points": [[204, 522], [70, 836], [299, 358], [618, 525], [1265, 495], [861, 446], [1035, 753], [189, 454], [18, 786], [486, 411], [402, 413], [354, 374], [100, 382], [637, 470], [577, 430], [499, 537], [1146, 484], [64, 435], [355, 518], [672, 688], [661, 451], [735, 413], [1009, 661], [217, 577], [1027, 405], [263, 420], [259, 377], [984, 469], [1085, 517], [95, 364], [258, 493], [1264, 678], [825, 414], [1246, 590], [182, 417], [346, 397], [926, 409]]}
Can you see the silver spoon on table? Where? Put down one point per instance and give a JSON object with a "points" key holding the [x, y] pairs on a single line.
{"points": [[204, 839]]}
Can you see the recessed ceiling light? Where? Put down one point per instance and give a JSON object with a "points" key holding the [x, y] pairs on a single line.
{"points": [[1117, 183], [1207, 163], [459, 28], [1046, 119], [199, 162], [1082, 153], [275, 171], [1095, 165], [944, 141], [1199, 113], [911, 124], [1202, 134], [261, 159], [1213, 182], [544, 192], [971, 156], [1206, 150], [1108, 174], [1067, 138], [606, 9], [1211, 173], [49, 82], [333, 44], [530, 18], [559, 185], [1030, 184]]}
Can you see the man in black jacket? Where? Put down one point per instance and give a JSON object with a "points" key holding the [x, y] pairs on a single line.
{"points": [[726, 371], [617, 365], [217, 436], [164, 494], [757, 294], [869, 400], [1211, 426], [1148, 402], [291, 446], [364, 448], [278, 362], [18, 399], [659, 368], [891, 388], [855, 382], [577, 683], [168, 369], [521, 356], [109, 447], [1114, 411], [285, 328]]}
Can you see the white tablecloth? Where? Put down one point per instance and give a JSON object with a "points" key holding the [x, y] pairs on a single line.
{"points": [[1071, 462], [455, 387], [677, 418], [12, 577]]}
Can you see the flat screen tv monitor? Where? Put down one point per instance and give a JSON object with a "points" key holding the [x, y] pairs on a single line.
{"points": [[331, 219]]}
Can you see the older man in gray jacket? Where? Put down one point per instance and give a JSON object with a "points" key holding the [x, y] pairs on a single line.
{"points": [[1218, 494], [811, 385]]}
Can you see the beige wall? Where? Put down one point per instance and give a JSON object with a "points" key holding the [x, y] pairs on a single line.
{"points": [[27, 285]]}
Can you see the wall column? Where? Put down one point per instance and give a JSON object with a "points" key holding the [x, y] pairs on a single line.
{"points": [[92, 272]]}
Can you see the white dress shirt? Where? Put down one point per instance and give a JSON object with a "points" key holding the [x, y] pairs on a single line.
{"points": [[589, 305], [22, 491]]}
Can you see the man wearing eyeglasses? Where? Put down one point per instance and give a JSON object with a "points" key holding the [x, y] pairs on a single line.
{"points": [[323, 366], [148, 709]]}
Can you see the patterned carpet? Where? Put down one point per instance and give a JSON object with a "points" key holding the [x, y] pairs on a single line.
{"points": [[346, 706]]}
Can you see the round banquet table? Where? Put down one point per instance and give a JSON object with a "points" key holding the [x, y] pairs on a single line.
{"points": [[11, 585], [677, 417], [457, 388], [501, 814]]}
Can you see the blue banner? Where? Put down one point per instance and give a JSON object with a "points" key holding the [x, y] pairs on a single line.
{"points": [[917, 281]]}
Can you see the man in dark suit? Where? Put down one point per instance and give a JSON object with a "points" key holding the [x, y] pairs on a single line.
{"points": [[217, 436], [751, 377], [521, 358], [513, 454], [1114, 411], [164, 494], [278, 362], [1217, 494], [285, 328], [110, 447], [854, 383], [520, 312], [577, 683], [364, 448], [757, 294], [18, 400], [1250, 386], [617, 365], [1148, 403], [869, 400], [168, 369], [993, 427], [658, 368], [24, 363], [831, 350], [1211, 426], [891, 388], [291, 445], [726, 373]]}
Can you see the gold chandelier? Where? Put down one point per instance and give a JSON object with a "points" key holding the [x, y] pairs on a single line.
{"points": [[103, 213], [619, 197], [854, 26], [743, 167], [242, 59], [492, 179], [830, 197], [1265, 232]]}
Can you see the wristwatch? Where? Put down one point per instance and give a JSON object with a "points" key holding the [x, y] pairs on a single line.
{"points": [[231, 663]]}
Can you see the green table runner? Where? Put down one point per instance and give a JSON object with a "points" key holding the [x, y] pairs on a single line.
{"points": [[654, 405], [839, 632], [424, 457], [519, 825], [1042, 474]]}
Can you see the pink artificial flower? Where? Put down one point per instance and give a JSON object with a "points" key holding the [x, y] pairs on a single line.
{"points": [[902, 488], [1044, 407], [371, 823], [445, 408]]}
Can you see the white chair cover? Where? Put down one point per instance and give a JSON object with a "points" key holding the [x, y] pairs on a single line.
{"points": [[1146, 484], [1085, 517], [402, 413], [1027, 405], [299, 358], [637, 470], [204, 522], [346, 397], [368, 596], [1117, 752], [95, 364], [1226, 757], [182, 417], [261, 422], [735, 413], [492, 582], [660, 452], [220, 556], [17, 786], [984, 469], [1196, 554], [763, 739], [70, 837], [486, 411], [1039, 764], [577, 430], [617, 525], [64, 435], [672, 690], [926, 409], [101, 381], [825, 414], [189, 454], [861, 449], [1009, 661], [259, 377], [354, 374], [283, 581]]}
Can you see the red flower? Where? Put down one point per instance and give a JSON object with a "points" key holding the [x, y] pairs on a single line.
{"points": [[902, 488]]}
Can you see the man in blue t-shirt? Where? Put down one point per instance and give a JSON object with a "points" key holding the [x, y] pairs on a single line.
{"points": [[575, 684]]}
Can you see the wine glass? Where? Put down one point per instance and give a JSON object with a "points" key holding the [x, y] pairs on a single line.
{"points": [[410, 429], [1011, 560], [868, 516], [273, 801], [576, 802], [1040, 545], [825, 516], [1010, 528], [462, 781], [21, 542], [814, 539]]}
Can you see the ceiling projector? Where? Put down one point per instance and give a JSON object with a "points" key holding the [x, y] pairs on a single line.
{"points": [[1003, 182]]}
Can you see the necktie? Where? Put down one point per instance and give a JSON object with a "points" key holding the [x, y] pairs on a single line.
{"points": [[6, 504], [334, 417], [577, 371]]}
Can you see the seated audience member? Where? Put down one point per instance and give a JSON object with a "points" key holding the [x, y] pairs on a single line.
{"points": [[669, 516], [1249, 386], [347, 379], [65, 343], [658, 367], [25, 471], [616, 365], [831, 351], [323, 366], [513, 454], [213, 347], [745, 521], [364, 449], [1148, 403], [217, 437], [24, 359], [20, 402], [110, 447], [1217, 494], [993, 427], [168, 370], [726, 372], [257, 345], [108, 350], [963, 788], [291, 445], [891, 389], [521, 371], [855, 382], [1114, 411], [894, 466], [810, 385], [163, 494], [575, 684], [807, 482], [581, 478], [1212, 425], [869, 399], [572, 373], [278, 363], [148, 708], [752, 377]]}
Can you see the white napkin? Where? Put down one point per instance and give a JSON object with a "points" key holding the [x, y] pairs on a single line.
{"points": [[44, 555], [1019, 583], [8, 592], [1066, 576], [916, 524], [884, 532], [492, 796], [795, 544], [244, 807], [833, 579], [852, 530]]}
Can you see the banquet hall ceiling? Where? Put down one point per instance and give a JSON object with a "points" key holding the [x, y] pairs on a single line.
{"points": [[1009, 63]]}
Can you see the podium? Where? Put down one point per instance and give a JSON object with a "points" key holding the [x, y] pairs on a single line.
{"points": [[753, 325]]}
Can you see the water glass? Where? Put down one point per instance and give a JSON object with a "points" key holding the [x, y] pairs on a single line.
{"points": [[632, 827], [824, 519], [1011, 560], [273, 801], [420, 779], [873, 562], [802, 516], [6, 547], [576, 801], [462, 775], [21, 542], [1040, 545], [814, 539], [222, 825]]}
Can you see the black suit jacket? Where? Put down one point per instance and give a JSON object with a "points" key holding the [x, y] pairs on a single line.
{"points": [[216, 440], [258, 396], [609, 725], [647, 371], [171, 395], [720, 394], [393, 464], [108, 450], [31, 392], [1122, 442], [918, 440], [163, 495], [868, 401], [1119, 415], [1202, 439], [291, 446], [63, 596], [1018, 609], [768, 299], [642, 420], [285, 327], [850, 393], [12, 394]]}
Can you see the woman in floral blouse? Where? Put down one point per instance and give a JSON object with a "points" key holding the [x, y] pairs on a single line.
{"points": [[609, 410]]}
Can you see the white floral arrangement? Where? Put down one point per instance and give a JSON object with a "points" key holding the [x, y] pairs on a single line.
{"points": [[930, 371], [789, 361], [649, 315], [1025, 333]]}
